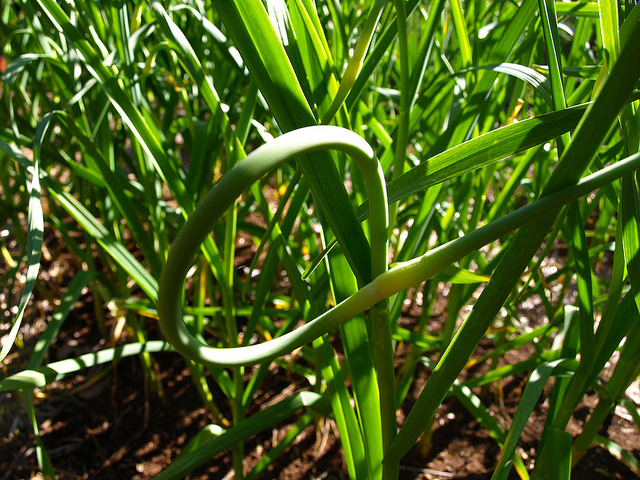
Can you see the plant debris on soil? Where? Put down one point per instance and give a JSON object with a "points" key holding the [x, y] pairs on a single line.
{"points": [[109, 423]]}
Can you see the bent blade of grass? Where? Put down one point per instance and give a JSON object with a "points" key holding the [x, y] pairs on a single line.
{"points": [[461, 129], [16, 67], [618, 452], [206, 434], [14, 152], [527, 74]]}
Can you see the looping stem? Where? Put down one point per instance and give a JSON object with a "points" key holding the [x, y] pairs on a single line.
{"points": [[402, 276], [218, 200]]}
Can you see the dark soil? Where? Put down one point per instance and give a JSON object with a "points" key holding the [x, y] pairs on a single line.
{"points": [[111, 423]]}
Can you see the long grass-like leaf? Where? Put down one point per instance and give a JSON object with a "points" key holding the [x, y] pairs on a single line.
{"points": [[35, 237], [117, 251], [584, 284], [150, 141], [575, 160], [530, 396], [482, 151], [630, 217], [42, 376], [618, 452], [265, 57], [74, 291]]}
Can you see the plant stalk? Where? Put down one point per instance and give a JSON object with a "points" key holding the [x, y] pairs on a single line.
{"points": [[384, 362], [402, 276], [402, 138]]}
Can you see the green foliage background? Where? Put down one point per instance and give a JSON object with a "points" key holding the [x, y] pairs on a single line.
{"points": [[119, 117]]}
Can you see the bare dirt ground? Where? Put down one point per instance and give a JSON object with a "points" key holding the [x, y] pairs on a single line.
{"points": [[109, 423]]}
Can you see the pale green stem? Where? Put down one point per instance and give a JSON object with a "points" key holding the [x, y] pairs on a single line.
{"points": [[223, 195], [231, 326], [402, 138], [380, 320], [355, 63], [384, 364], [403, 276]]}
